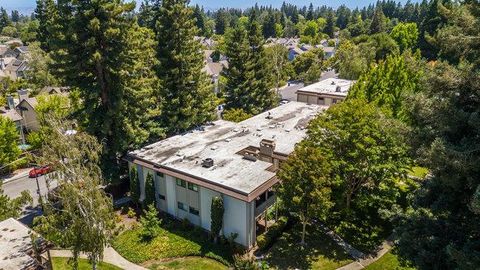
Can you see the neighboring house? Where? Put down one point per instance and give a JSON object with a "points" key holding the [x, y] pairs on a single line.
{"points": [[326, 92], [21, 52], [234, 161], [329, 52], [16, 247], [26, 108], [293, 52], [7, 52], [52, 90], [207, 43], [14, 69]]}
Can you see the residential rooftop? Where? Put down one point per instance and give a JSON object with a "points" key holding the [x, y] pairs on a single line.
{"points": [[222, 141], [332, 86], [16, 244]]}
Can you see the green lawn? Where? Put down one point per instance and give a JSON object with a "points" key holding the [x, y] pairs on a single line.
{"points": [[189, 263], [174, 242], [388, 261], [419, 172], [319, 253], [62, 264]]}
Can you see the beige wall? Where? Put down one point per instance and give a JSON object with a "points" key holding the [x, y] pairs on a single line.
{"points": [[30, 121], [318, 99]]}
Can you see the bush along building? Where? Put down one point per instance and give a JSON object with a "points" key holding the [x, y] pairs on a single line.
{"points": [[236, 162]]}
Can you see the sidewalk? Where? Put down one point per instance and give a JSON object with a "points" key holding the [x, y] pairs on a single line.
{"points": [[109, 256], [20, 173], [362, 263]]}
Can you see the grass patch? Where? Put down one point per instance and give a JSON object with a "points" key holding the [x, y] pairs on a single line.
{"points": [[420, 172], [189, 263], [173, 241], [319, 253], [60, 263], [389, 261]]}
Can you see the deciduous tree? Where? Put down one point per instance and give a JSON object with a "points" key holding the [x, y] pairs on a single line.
{"points": [[305, 186]]}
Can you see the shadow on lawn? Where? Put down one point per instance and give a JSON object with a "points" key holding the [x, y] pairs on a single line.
{"points": [[221, 251], [320, 252]]}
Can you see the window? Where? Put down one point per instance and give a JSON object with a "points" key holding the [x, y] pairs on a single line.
{"points": [[159, 174], [194, 211], [193, 187], [181, 206], [181, 183], [161, 197]]}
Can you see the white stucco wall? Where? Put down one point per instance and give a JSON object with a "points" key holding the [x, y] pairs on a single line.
{"points": [[171, 195], [206, 196], [235, 219]]}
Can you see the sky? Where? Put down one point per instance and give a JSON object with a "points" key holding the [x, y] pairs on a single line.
{"points": [[27, 6]]}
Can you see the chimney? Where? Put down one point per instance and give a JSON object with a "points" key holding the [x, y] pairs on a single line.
{"points": [[22, 94], [10, 102], [267, 147]]}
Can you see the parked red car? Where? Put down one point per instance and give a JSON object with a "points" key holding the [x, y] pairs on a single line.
{"points": [[38, 171]]}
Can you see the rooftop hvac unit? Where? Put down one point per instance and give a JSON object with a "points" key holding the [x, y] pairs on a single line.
{"points": [[207, 163]]}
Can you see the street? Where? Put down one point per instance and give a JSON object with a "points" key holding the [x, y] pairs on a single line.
{"points": [[13, 189]]}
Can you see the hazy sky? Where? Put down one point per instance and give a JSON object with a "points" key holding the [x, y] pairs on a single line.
{"points": [[29, 5]]}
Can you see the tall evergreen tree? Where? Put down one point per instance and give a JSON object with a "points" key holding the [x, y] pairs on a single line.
{"points": [[259, 79], [102, 52], [379, 23], [46, 13], [15, 16], [330, 25], [189, 99], [200, 19], [236, 51], [4, 19]]}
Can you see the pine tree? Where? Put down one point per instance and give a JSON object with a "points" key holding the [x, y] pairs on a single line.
{"points": [[46, 13], [259, 81], [330, 25], [4, 19], [310, 15], [189, 99], [200, 19], [110, 62], [379, 23], [15, 16]]}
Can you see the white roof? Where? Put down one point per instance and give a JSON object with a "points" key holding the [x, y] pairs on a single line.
{"points": [[222, 140], [332, 86], [15, 242]]}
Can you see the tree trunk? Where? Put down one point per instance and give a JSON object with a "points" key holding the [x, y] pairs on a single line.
{"points": [[349, 199], [303, 220]]}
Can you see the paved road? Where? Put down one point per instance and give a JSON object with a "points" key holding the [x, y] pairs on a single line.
{"points": [[13, 189]]}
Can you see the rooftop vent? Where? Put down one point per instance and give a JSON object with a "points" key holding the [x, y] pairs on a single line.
{"points": [[338, 89], [267, 147], [269, 116], [333, 82], [207, 163], [250, 155]]}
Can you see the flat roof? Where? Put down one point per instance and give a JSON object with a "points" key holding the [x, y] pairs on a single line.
{"points": [[332, 86], [15, 242], [222, 140]]}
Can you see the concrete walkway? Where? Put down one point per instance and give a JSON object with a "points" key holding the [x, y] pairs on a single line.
{"points": [[109, 256], [361, 263]]}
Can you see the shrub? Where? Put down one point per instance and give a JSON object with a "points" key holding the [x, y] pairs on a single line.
{"points": [[216, 215], [131, 213], [266, 240], [244, 263], [150, 223]]}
